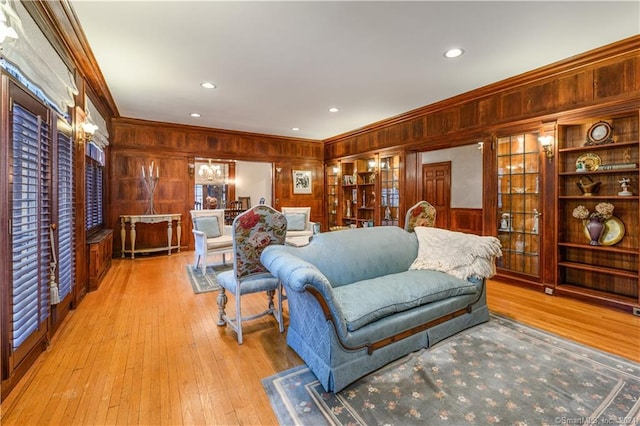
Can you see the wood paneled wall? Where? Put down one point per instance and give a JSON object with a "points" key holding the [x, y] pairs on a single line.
{"points": [[466, 220], [602, 76], [136, 143]]}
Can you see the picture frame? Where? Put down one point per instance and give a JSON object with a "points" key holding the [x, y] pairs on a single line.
{"points": [[302, 182]]}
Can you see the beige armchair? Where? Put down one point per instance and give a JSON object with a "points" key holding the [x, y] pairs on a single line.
{"points": [[211, 236], [298, 221]]}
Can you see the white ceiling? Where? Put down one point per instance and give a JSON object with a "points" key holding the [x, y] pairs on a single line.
{"points": [[280, 65]]}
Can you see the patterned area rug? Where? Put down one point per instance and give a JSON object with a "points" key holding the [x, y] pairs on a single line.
{"points": [[207, 282], [500, 372]]}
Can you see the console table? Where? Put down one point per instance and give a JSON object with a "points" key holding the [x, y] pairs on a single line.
{"points": [[149, 218]]}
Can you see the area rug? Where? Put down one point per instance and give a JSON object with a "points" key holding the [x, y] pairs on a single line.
{"points": [[207, 282], [499, 372]]}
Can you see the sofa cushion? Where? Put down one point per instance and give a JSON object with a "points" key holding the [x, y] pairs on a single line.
{"points": [[209, 225], [296, 221], [366, 301]]}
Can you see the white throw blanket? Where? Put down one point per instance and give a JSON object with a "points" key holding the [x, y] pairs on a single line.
{"points": [[459, 254]]}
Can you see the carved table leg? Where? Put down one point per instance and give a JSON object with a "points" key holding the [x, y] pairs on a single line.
{"points": [[179, 231], [133, 240], [123, 234]]}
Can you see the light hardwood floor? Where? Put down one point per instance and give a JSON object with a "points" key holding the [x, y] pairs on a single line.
{"points": [[143, 349]]}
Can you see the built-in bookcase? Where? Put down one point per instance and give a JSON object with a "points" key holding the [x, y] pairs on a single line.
{"points": [[608, 172]]}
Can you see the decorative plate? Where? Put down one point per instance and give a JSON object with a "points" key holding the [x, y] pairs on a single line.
{"points": [[590, 162], [600, 133], [613, 231]]}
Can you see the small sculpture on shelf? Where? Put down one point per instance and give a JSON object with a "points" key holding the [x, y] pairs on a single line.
{"points": [[505, 222], [536, 215], [520, 244], [624, 184], [589, 189]]}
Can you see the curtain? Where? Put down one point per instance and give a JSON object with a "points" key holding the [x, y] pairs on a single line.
{"points": [[32, 55]]}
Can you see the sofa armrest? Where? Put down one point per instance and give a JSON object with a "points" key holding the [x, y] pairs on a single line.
{"points": [[294, 271], [300, 276]]}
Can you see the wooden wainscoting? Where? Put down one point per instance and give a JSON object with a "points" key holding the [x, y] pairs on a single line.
{"points": [[466, 220]]}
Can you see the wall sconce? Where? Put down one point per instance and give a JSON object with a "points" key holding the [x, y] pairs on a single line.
{"points": [[278, 171], [372, 165], [546, 142], [89, 129], [192, 169], [335, 170], [481, 146]]}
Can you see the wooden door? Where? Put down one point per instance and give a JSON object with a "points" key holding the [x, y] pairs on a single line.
{"points": [[436, 189]]}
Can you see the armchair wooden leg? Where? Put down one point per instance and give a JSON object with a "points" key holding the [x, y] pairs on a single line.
{"points": [[222, 302]]}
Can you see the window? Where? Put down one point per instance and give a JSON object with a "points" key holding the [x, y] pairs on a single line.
{"points": [[30, 212], [66, 216], [93, 187]]}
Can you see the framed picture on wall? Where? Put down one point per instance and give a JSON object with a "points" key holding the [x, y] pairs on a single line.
{"points": [[302, 183]]}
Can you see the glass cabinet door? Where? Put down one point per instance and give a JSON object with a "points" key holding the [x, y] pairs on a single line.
{"points": [[390, 190], [519, 203], [332, 176], [365, 191]]}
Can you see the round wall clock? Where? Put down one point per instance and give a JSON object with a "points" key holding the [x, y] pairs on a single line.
{"points": [[599, 133]]}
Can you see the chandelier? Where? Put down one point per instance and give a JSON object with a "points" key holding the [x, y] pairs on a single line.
{"points": [[211, 172]]}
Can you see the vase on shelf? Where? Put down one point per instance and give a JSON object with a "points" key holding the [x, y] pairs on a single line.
{"points": [[595, 227], [150, 183]]}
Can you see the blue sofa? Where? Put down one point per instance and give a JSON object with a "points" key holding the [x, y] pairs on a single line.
{"points": [[354, 304]]}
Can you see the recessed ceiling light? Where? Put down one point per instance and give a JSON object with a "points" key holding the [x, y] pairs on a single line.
{"points": [[333, 109], [295, 129], [453, 53], [208, 85], [194, 115]]}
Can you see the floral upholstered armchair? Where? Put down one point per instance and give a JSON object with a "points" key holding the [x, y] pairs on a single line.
{"points": [[421, 214], [252, 231]]}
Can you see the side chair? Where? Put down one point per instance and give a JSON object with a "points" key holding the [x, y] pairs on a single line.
{"points": [[420, 214], [252, 231]]}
